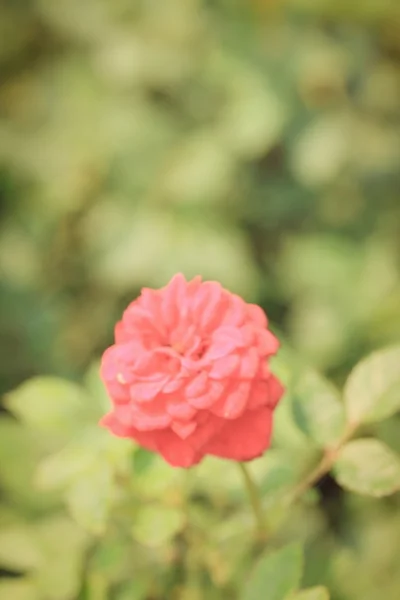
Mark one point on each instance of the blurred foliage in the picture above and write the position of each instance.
(256, 142)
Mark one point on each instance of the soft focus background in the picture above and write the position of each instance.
(255, 142)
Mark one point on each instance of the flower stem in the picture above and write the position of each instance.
(255, 501)
(312, 478)
(324, 466)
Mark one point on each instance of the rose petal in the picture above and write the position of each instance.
(214, 391)
(183, 430)
(147, 421)
(197, 385)
(143, 391)
(224, 367)
(233, 403)
(208, 426)
(267, 343)
(276, 391)
(172, 296)
(244, 438)
(259, 394)
(249, 363)
(257, 315)
(177, 452)
(180, 410)
(235, 312)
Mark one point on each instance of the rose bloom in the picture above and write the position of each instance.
(188, 374)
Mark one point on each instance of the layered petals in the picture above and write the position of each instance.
(188, 374)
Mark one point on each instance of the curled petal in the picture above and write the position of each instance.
(221, 346)
(197, 386)
(183, 430)
(259, 394)
(173, 385)
(235, 312)
(177, 452)
(234, 402)
(249, 363)
(244, 438)
(267, 343)
(257, 315)
(214, 391)
(144, 421)
(224, 367)
(143, 391)
(208, 425)
(180, 410)
(276, 391)
(172, 297)
(120, 333)
(115, 426)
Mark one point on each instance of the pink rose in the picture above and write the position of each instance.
(188, 374)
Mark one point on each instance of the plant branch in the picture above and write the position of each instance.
(255, 501)
(323, 467)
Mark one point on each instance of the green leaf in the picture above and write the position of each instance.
(60, 469)
(49, 404)
(89, 498)
(64, 545)
(134, 590)
(100, 401)
(17, 467)
(157, 478)
(372, 391)
(93, 447)
(367, 466)
(19, 550)
(315, 593)
(317, 409)
(276, 575)
(18, 589)
(157, 525)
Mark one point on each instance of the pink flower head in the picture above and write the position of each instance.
(188, 374)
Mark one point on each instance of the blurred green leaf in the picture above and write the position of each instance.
(317, 409)
(19, 550)
(142, 460)
(156, 525)
(367, 466)
(157, 478)
(20, 452)
(49, 404)
(372, 391)
(60, 469)
(89, 498)
(276, 575)
(97, 391)
(316, 593)
(84, 470)
(20, 589)
(94, 445)
(134, 590)
(63, 544)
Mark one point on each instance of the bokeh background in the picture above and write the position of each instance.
(255, 142)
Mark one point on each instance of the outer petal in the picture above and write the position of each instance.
(276, 391)
(177, 452)
(208, 426)
(257, 315)
(234, 402)
(268, 344)
(244, 438)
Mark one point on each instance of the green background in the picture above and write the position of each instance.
(253, 142)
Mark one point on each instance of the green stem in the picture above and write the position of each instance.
(324, 466)
(255, 501)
